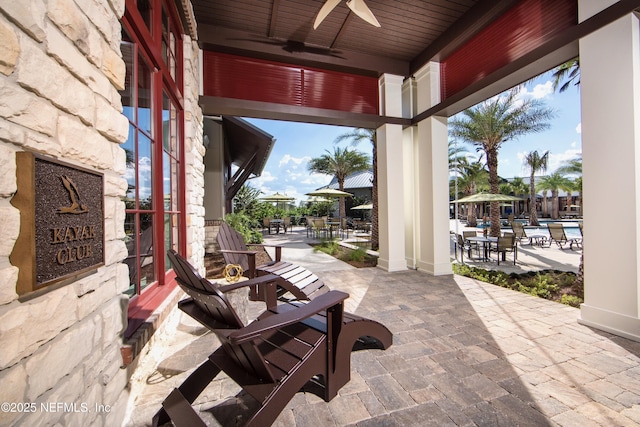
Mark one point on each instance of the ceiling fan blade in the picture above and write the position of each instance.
(324, 11)
(360, 8)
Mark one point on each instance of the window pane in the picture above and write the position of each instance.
(130, 174)
(144, 96)
(166, 180)
(165, 31)
(145, 170)
(166, 122)
(170, 235)
(128, 95)
(146, 259)
(144, 7)
(174, 185)
(132, 259)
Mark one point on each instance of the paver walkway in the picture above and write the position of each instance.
(465, 353)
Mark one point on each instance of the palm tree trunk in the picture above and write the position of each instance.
(533, 214)
(494, 211)
(375, 243)
(578, 284)
(555, 204)
(472, 215)
(342, 211)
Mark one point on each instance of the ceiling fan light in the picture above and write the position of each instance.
(360, 8)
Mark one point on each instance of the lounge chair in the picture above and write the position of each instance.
(557, 235)
(295, 281)
(520, 233)
(289, 346)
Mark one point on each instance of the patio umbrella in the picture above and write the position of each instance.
(487, 197)
(277, 198)
(364, 207)
(329, 192)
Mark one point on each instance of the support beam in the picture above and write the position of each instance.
(610, 89)
(390, 178)
(431, 178)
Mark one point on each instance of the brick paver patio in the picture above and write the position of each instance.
(465, 353)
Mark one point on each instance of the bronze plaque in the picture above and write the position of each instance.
(62, 222)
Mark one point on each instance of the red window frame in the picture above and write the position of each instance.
(164, 27)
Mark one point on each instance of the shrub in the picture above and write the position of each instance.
(245, 226)
(572, 300)
(328, 246)
(541, 284)
(357, 255)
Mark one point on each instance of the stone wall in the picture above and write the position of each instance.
(194, 155)
(60, 72)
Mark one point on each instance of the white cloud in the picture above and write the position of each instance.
(557, 160)
(316, 179)
(295, 162)
(539, 91)
(579, 128)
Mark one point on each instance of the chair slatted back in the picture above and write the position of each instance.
(518, 230)
(506, 242)
(467, 234)
(216, 306)
(556, 231)
(230, 239)
(221, 318)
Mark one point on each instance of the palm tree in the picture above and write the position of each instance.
(536, 163)
(494, 122)
(341, 163)
(553, 183)
(457, 160)
(574, 167)
(356, 136)
(519, 188)
(246, 199)
(472, 177)
(568, 72)
(456, 157)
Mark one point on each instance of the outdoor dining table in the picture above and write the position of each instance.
(486, 244)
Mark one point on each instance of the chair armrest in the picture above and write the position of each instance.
(317, 305)
(251, 259)
(234, 251)
(251, 282)
(265, 245)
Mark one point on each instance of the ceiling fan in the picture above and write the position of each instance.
(358, 7)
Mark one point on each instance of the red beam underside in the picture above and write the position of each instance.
(525, 27)
(237, 77)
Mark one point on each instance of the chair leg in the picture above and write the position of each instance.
(280, 397)
(190, 389)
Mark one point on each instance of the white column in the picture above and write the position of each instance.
(431, 178)
(610, 91)
(390, 178)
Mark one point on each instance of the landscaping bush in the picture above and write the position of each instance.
(552, 285)
(246, 226)
(327, 246)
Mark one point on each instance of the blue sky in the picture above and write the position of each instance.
(296, 143)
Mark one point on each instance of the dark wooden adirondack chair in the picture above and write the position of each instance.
(294, 279)
(273, 357)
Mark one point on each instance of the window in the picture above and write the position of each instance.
(154, 219)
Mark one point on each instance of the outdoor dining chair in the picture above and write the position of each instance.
(506, 243)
